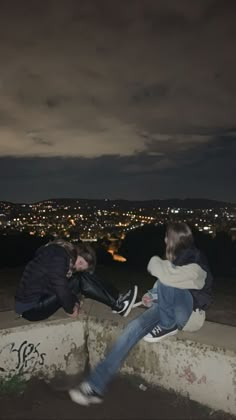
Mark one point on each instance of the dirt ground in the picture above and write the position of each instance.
(41, 401)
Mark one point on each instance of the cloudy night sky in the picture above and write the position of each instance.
(117, 99)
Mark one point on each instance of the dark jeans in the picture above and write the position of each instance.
(89, 285)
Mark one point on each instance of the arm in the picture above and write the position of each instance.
(57, 271)
(190, 276)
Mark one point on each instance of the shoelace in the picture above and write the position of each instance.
(126, 296)
(156, 330)
(86, 389)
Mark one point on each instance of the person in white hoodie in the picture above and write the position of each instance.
(184, 285)
(183, 292)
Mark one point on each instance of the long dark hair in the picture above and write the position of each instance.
(69, 248)
(82, 249)
(88, 253)
(178, 238)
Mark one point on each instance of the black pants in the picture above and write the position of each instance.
(89, 285)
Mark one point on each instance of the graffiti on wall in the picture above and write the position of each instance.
(23, 359)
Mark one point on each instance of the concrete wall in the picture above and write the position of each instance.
(42, 349)
(200, 365)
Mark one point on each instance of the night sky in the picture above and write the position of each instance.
(131, 99)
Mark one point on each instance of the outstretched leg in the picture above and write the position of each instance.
(91, 286)
(92, 390)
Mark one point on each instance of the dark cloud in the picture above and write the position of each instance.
(42, 142)
(38, 139)
(6, 118)
(204, 172)
(129, 99)
(153, 92)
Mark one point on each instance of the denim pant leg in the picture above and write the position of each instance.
(183, 307)
(166, 299)
(175, 306)
(134, 331)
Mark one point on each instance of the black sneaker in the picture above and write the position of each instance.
(84, 395)
(125, 302)
(158, 333)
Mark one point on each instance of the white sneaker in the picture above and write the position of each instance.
(158, 334)
(84, 395)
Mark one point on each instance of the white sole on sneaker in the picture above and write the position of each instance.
(157, 339)
(79, 398)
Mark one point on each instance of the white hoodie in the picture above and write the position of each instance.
(190, 276)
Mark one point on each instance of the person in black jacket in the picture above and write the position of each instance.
(57, 275)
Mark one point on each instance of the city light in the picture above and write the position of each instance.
(89, 221)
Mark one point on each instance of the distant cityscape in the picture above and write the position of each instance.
(91, 220)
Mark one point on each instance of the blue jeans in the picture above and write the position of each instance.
(174, 307)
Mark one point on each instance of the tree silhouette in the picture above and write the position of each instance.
(141, 244)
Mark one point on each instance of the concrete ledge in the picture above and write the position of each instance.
(43, 348)
(200, 365)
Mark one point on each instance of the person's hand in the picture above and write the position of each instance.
(75, 312)
(147, 300)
